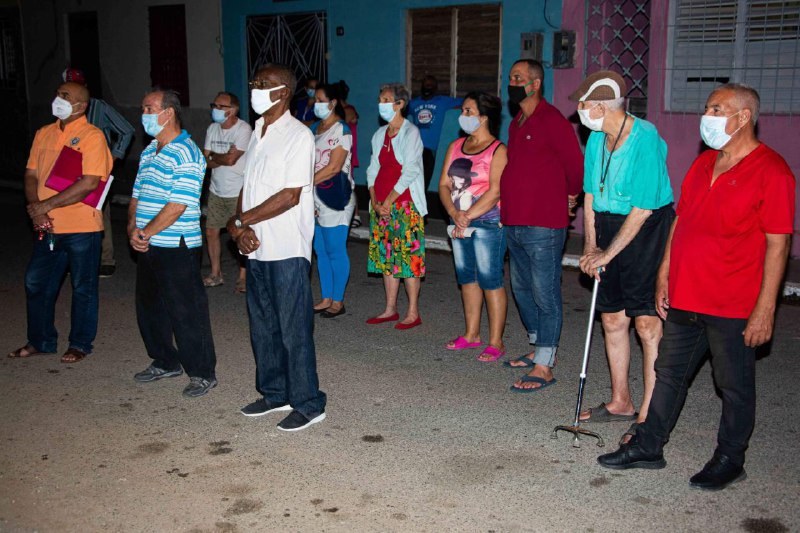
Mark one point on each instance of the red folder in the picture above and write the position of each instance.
(68, 169)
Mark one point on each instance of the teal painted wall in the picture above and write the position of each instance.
(373, 48)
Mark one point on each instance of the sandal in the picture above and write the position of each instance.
(521, 359)
(241, 286)
(26, 351)
(213, 281)
(532, 379)
(602, 414)
(490, 354)
(461, 343)
(73, 355)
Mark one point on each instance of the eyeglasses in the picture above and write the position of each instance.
(259, 84)
(212, 105)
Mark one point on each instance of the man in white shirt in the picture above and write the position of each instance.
(274, 227)
(226, 142)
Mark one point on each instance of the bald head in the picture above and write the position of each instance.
(79, 93)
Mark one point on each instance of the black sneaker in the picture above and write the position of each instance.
(199, 386)
(631, 456)
(106, 271)
(297, 421)
(263, 407)
(153, 373)
(718, 473)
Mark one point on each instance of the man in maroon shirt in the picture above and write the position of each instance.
(543, 176)
(718, 284)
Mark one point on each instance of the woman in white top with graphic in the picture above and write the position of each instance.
(334, 143)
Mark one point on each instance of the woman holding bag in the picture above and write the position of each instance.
(333, 199)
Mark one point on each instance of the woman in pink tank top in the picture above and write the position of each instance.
(469, 189)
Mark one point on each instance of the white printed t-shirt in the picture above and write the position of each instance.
(226, 181)
(326, 142)
(283, 158)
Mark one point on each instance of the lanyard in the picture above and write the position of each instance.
(604, 166)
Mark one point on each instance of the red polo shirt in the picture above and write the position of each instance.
(718, 248)
(545, 164)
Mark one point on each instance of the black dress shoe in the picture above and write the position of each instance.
(328, 314)
(718, 473)
(631, 456)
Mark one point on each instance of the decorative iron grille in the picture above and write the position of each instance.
(297, 41)
(618, 38)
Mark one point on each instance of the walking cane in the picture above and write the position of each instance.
(576, 428)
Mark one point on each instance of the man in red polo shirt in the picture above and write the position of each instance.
(538, 187)
(718, 284)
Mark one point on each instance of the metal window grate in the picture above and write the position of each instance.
(756, 42)
(297, 41)
(618, 38)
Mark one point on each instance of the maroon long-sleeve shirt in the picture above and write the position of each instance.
(545, 164)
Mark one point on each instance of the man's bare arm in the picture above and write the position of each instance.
(275, 205)
(761, 322)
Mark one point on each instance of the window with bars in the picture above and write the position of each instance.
(756, 42)
(459, 45)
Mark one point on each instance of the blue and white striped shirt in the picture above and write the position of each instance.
(173, 175)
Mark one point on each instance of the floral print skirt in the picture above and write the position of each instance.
(397, 247)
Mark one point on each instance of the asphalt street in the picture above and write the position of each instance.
(417, 438)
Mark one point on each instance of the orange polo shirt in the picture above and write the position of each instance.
(90, 141)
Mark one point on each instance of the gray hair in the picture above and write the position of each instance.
(169, 99)
(285, 74)
(746, 98)
(399, 91)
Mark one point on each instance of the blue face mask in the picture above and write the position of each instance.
(151, 125)
(322, 111)
(386, 111)
(310, 92)
(218, 115)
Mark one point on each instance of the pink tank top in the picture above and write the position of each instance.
(469, 177)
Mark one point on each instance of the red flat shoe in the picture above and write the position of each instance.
(410, 325)
(379, 320)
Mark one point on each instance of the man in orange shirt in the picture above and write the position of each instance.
(68, 232)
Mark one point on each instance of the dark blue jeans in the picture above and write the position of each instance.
(171, 302)
(280, 306)
(535, 254)
(80, 254)
(687, 338)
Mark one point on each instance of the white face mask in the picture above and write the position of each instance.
(712, 130)
(594, 124)
(322, 111)
(386, 111)
(61, 108)
(261, 101)
(469, 123)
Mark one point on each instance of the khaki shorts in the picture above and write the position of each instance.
(220, 210)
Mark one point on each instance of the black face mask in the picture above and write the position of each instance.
(518, 93)
(427, 92)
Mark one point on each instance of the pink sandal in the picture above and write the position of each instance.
(461, 344)
(490, 355)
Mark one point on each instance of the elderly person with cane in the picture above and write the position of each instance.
(627, 216)
(397, 205)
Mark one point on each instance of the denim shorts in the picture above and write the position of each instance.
(480, 258)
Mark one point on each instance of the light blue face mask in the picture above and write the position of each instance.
(386, 111)
(310, 92)
(151, 125)
(218, 115)
(322, 111)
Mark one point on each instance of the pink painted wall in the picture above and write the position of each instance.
(680, 130)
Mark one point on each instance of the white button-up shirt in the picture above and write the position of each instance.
(282, 159)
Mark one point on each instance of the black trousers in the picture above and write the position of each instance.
(171, 302)
(687, 338)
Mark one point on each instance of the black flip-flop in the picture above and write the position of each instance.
(601, 414)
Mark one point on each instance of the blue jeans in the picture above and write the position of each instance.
(535, 254)
(333, 263)
(171, 302)
(80, 254)
(480, 258)
(280, 307)
(687, 338)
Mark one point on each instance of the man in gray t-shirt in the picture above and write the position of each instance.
(226, 142)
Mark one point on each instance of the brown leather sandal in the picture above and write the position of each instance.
(73, 355)
(25, 351)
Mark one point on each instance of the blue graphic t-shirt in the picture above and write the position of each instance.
(428, 115)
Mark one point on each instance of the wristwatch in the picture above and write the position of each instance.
(210, 156)
(238, 223)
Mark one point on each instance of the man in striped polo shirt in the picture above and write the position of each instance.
(164, 227)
